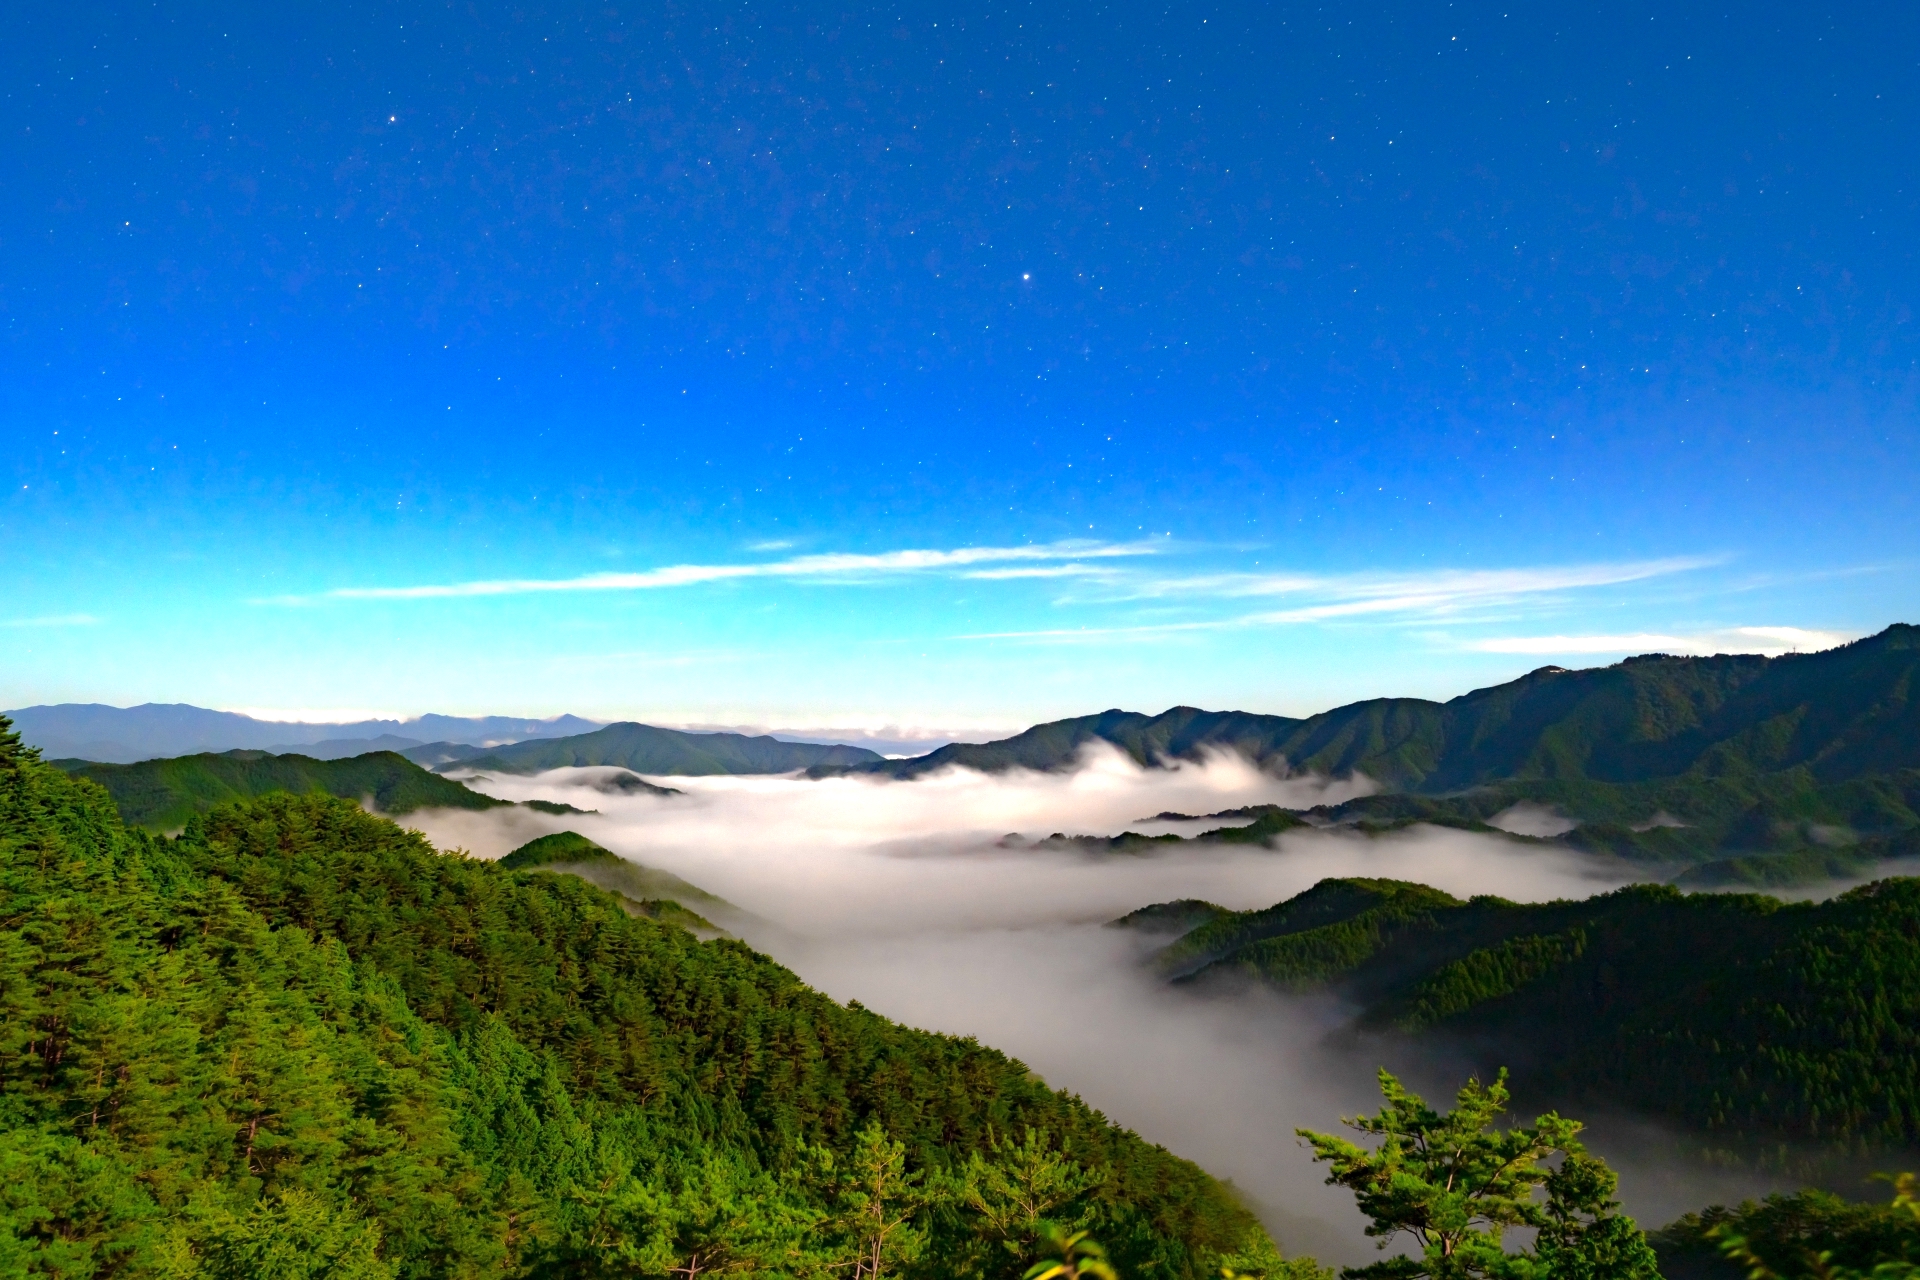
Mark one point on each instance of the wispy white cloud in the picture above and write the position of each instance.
(1397, 592)
(844, 567)
(1041, 571)
(1767, 640)
(53, 620)
(1440, 594)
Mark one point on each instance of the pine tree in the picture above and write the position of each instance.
(1455, 1185)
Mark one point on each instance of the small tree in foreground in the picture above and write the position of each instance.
(1455, 1185)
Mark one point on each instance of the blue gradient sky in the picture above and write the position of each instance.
(1264, 357)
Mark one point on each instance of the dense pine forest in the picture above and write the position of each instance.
(161, 795)
(298, 1041)
(1736, 1015)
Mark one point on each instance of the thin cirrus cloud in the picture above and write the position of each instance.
(841, 567)
(1042, 571)
(1387, 592)
(53, 620)
(1767, 640)
(1441, 594)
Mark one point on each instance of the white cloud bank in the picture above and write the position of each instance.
(903, 896)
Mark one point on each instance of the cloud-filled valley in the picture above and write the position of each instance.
(910, 898)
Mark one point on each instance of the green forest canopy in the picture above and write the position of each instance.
(161, 795)
(298, 1037)
(1734, 1014)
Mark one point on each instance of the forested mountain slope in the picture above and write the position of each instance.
(1840, 714)
(298, 1032)
(161, 795)
(645, 749)
(1182, 733)
(1735, 1014)
(1718, 771)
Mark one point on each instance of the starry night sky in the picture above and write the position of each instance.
(1261, 356)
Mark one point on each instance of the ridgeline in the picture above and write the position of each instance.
(1729, 770)
(646, 749)
(161, 795)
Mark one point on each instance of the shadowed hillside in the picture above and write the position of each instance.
(1739, 1015)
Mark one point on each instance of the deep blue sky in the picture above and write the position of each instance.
(1389, 342)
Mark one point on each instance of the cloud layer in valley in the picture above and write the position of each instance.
(908, 898)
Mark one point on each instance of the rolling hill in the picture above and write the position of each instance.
(161, 795)
(1733, 1014)
(641, 889)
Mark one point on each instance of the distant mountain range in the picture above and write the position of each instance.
(1732, 769)
(645, 749)
(1726, 770)
(1838, 714)
(121, 735)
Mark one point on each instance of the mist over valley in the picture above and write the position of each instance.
(1051, 642)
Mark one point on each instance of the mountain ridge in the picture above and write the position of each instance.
(163, 795)
(1648, 716)
(155, 730)
(646, 749)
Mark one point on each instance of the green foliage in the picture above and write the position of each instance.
(161, 795)
(1271, 821)
(1488, 974)
(1793, 1235)
(1326, 930)
(296, 1040)
(877, 1201)
(1078, 1256)
(561, 846)
(1019, 1193)
(1738, 1014)
(555, 807)
(1455, 1185)
(1178, 917)
(1824, 1265)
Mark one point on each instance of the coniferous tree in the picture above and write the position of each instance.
(1455, 1185)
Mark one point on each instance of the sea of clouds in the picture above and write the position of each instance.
(910, 898)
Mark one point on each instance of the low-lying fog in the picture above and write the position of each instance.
(907, 897)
